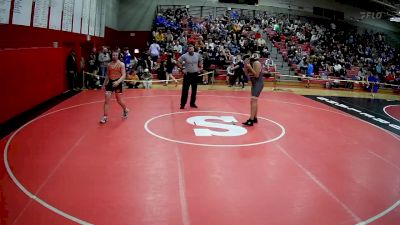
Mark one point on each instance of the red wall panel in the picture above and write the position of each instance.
(32, 71)
(30, 77)
(14, 36)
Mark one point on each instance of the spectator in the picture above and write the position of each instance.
(104, 60)
(170, 65)
(310, 73)
(147, 79)
(373, 84)
(155, 51)
(72, 70)
(92, 78)
(230, 73)
(127, 61)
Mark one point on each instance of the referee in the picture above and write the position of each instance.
(193, 63)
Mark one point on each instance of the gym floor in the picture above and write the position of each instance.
(304, 162)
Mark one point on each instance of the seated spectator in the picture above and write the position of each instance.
(147, 79)
(230, 73)
(390, 78)
(269, 63)
(132, 79)
(302, 66)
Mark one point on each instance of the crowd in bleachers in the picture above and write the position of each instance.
(312, 48)
(315, 49)
(337, 51)
(221, 41)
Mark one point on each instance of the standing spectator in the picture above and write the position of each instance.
(379, 70)
(72, 70)
(91, 78)
(160, 69)
(230, 73)
(170, 65)
(310, 73)
(127, 61)
(104, 60)
(155, 51)
(239, 72)
(373, 84)
(120, 54)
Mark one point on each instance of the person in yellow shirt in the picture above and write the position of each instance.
(159, 36)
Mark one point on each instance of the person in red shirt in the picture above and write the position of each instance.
(113, 83)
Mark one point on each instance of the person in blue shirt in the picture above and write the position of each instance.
(310, 73)
(127, 61)
(310, 70)
(373, 84)
(379, 70)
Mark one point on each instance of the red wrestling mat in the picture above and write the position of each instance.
(393, 111)
(303, 163)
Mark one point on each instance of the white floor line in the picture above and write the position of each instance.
(79, 221)
(182, 189)
(50, 175)
(384, 110)
(383, 159)
(320, 184)
(372, 219)
(21, 187)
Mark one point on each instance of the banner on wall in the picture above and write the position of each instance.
(78, 16)
(22, 12)
(85, 17)
(41, 13)
(55, 14)
(76, 27)
(98, 18)
(103, 18)
(92, 17)
(68, 11)
(5, 7)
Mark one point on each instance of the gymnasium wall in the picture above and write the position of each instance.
(16, 36)
(112, 10)
(29, 77)
(33, 71)
(33, 59)
(131, 39)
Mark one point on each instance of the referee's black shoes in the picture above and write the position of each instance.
(192, 106)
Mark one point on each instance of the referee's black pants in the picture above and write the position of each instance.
(189, 79)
